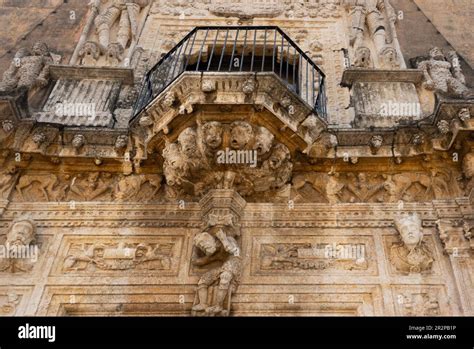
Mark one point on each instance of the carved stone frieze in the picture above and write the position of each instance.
(340, 187)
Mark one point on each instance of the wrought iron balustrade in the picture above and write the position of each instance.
(238, 49)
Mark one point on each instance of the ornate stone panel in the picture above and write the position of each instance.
(109, 255)
(342, 254)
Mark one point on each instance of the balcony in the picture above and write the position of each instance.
(233, 50)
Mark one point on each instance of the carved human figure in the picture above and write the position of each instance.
(21, 235)
(378, 17)
(444, 76)
(276, 171)
(126, 13)
(411, 255)
(213, 247)
(7, 179)
(175, 167)
(27, 70)
(187, 141)
(468, 171)
(263, 141)
(333, 188)
(90, 186)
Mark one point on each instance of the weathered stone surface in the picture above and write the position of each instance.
(227, 193)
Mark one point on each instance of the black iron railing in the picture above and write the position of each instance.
(238, 49)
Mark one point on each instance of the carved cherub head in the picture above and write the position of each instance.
(188, 141)
(212, 134)
(240, 135)
(206, 243)
(410, 230)
(263, 141)
(21, 233)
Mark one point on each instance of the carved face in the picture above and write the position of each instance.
(21, 234)
(464, 114)
(468, 165)
(263, 141)
(212, 134)
(114, 52)
(40, 49)
(141, 251)
(173, 157)
(93, 179)
(91, 49)
(279, 155)
(121, 142)
(78, 141)
(410, 230)
(390, 57)
(187, 141)
(240, 135)
(206, 243)
(437, 54)
(362, 58)
(98, 252)
(169, 99)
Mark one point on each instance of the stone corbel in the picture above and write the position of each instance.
(452, 235)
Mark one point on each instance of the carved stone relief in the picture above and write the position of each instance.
(20, 251)
(217, 155)
(9, 303)
(419, 301)
(373, 24)
(117, 27)
(108, 255)
(369, 187)
(412, 255)
(443, 74)
(88, 186)
(297, 255)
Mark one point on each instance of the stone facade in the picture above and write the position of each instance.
(224, 192)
